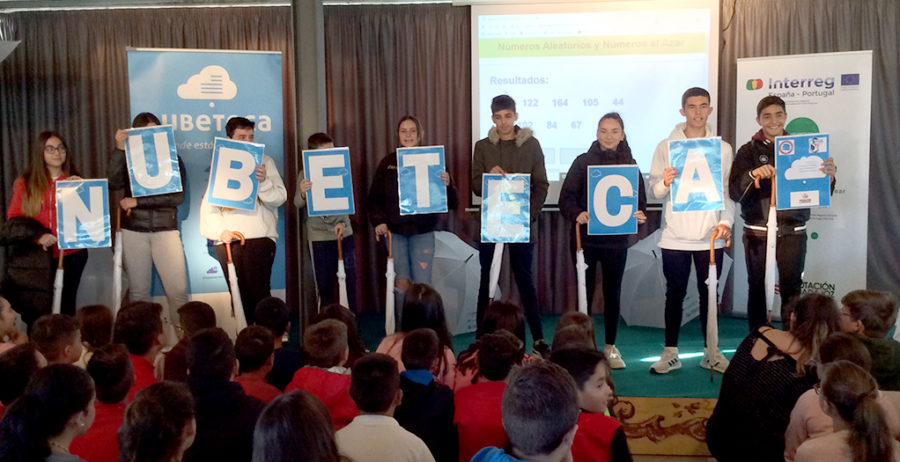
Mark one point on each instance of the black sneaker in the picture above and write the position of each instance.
(541, 349)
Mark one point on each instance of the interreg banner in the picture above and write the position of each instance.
(82, 214)
(196, 92)
(419, 180)
(800, 182)
(825, 93)
(698, 185)
(232, 174)
(332, 185)
(152, 161)
(612, 199)
(506, 208)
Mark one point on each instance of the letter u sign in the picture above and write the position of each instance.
(152, 161)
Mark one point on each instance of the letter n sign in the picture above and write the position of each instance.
(232, 174)
(152, 161)
(419, 180)
(612, 199)
(82, 214)
(332, 186)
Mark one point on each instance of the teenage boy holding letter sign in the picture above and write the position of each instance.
(686, 235)
(754, 161)
(610, 251)
(150, 233)
(252, 261)
(510, 149)
(323, 231)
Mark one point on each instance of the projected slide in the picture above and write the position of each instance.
(567, 68)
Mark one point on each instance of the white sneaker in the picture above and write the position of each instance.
(668, 362)
(614, 357)
(715, 361)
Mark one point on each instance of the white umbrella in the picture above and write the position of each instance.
(58, 285)
(237, 307)
(117, 264)
(771, 241)
(341, 274)
(580, 268)
(456, 272)
(389, 323)
(712, 304)
(496, 263)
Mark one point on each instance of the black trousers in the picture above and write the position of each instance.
(677, 270)
(520, 258)
(790, 256)
(612, 267)
(253, 265)
(73, 267)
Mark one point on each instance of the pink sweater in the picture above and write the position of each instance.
(392, 345)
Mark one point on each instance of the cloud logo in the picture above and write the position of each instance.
(754, 84)
(212, 82)
(805, 168)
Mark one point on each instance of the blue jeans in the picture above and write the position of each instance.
(413, 256)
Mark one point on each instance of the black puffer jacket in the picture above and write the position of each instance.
(153, 213)
(27, 280)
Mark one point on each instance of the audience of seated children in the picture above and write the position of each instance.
(427, 407)
(254, 349)
(872, 314)
(499, 315)
(110, 368)
(96, 323)
(599, 437)
(225, 414)
(325, 346)
(478, 416)
(850, 396)
(10, 336)
(768, 373)
(423, 307)
(574, 330)
(17, 365)
(354, 340)
(58, 338)
(274, 314)
(540, 415)
(159, 424)
(808, 420)
(57, 406)
(139, 327)
(293, 427)
(374, 435)
(192, 318)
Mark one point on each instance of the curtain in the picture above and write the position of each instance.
(773, 27)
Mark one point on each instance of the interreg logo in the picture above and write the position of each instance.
(754, 84)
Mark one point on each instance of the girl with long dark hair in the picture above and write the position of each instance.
(295, 426)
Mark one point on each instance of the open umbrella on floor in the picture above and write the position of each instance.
(390, 275)
(237, 306)
(58, 285)
(580, 269)
(117, 263)
(456, 273)
(341, 274)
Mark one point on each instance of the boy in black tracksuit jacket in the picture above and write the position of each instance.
(756, 159)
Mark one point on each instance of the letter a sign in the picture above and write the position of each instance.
(82, 214)
(152, 161)
(232, 175)
(698, 185)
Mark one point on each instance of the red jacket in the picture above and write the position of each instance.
(101, 442)
(593, 440)
(330, 387)
(478, 418)
(258, 388)
(143, 375)
(47, 214)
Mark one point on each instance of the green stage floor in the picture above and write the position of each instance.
(637, 345)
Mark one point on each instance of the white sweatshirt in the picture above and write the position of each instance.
(689, 230)
(262, 221)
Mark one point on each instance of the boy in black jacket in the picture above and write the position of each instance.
(427, 408)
